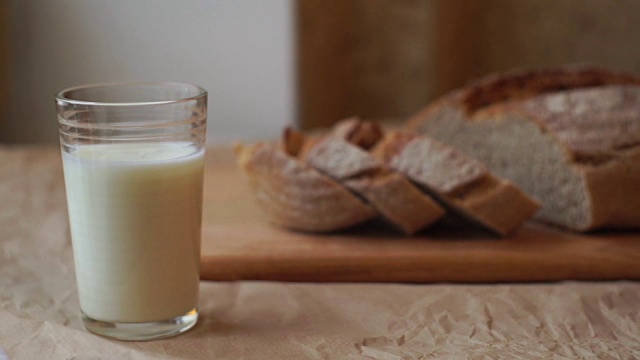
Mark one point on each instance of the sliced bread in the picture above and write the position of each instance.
(343, 156)
(461, 183)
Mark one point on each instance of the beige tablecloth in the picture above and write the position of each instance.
(39, 316)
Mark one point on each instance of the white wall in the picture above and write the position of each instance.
(240, 51)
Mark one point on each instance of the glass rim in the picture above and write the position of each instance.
(62, 95)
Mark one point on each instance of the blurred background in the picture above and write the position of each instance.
(306, 63)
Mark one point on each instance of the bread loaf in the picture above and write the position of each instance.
(461, 183)
(570, 137)
(343, 155)
(353, 174)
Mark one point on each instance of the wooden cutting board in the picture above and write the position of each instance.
(238, 244)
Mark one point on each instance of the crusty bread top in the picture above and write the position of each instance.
(520, 85)
(593, 113)
(594, 124)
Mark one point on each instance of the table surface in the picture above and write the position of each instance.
(272, 320)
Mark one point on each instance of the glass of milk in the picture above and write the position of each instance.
(133, 157)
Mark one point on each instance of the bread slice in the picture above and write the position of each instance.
(296, 196)
(342, 156)
(458, 181)
(569, 137)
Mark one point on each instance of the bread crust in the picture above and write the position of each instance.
(398, 201)
(614, 191)
(520, 85)
(296, 196)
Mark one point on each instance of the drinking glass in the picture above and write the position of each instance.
(133, 158)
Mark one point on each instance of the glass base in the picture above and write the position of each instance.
(141, 331)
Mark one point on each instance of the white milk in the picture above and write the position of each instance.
(135, 212)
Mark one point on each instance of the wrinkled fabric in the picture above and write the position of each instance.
(39, 312)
